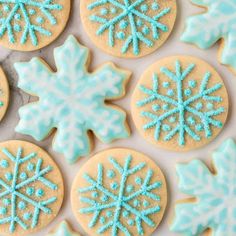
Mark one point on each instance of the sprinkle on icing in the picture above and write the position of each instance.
(181, 109)
(26, 18)
(126, 206)
(72, 100)
(133, 22)
(218, 22)
(215, 195)
(16, 199)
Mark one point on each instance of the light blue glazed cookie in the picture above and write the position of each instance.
(27, 25)
(119, 192)
(72, 100)
(180, 103)
(217, 22)
(31, 188)
(215, 195)
(63, 229)
(129, 28)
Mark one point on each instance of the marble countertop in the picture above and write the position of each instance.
(166, 160)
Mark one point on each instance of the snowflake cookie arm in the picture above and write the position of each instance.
(197, 181)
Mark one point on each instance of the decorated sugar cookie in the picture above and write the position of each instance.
(72, 100)
(217, 22)
(31, 188)
(180, 103)
(32, 24)
(212, 195)
(119, 192)
(130, 28)
(63, 230)
(4, 94)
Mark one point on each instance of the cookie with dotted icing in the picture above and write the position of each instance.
(119, 192)
(129, 28)
(72, 100)
(211, 195)
(63, 229)
(31, 188)
(32, 24)
(4, 94)
(217, 22)
(180, 103)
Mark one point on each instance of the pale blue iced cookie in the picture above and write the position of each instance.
(63, 229)
(31, 188)
(129, 28)
(217, 22)
(180, 103)
(214, 195)
(27, 25)
(72, 100)
(119, 192)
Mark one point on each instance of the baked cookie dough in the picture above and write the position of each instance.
(4, 94)
(130, 28)
(31, 25)
(180, 103)
(119, 192)
(31, 188)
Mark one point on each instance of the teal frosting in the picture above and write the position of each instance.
(22, 11)
(16, 194)
(215, 195)
(218, 22)
(72, 100)
(132, 14)
(179, 112)
(63, 229)
(124, 203)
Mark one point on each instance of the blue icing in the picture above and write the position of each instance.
(31, 29)
(123, 205)
(135, 13)
(86, 93)
(218, 22)
(188, 108)
(213, 192)
(17, 195)
(63, 229)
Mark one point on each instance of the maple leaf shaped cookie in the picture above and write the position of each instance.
(218, 22)
(72, 100)
(214, 206)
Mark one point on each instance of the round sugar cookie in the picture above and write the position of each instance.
(31, 25)
(180, 103)
(130, 28)
(31, 188)
(4, 94)
(119, 192)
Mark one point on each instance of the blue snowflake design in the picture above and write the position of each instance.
(189, 113)
(26, 17)
(122, 206)
(130, 22)
(18, 194)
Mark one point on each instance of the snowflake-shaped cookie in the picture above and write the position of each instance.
(218, 22)
(215, 194)
(72, 100)
(63, 229)
(30, 196)
(131, 27)
(31, 21)
(125, 196)
(182, 105)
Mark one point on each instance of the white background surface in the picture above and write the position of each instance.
(165, 159)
